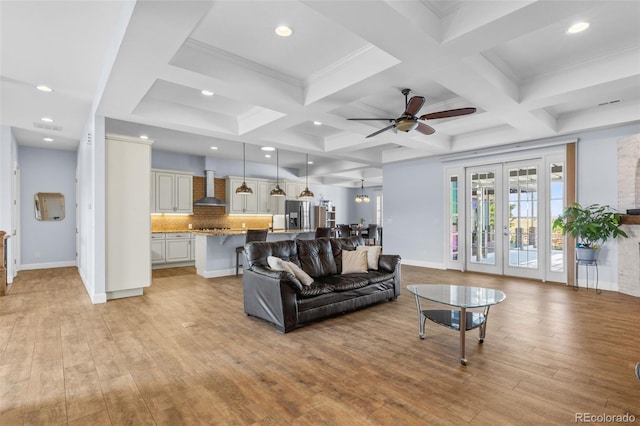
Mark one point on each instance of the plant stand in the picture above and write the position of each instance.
(587, 264)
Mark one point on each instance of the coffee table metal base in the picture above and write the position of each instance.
(457, 320)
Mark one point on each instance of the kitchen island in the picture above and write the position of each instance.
(216, 249)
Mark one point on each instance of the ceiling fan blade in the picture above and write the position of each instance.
(449, 113)
(381, 130)
(368, 119)
(425, 129)
(414, 105)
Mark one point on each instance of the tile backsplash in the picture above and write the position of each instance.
(206, 216)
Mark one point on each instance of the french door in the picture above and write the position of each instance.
(499, 217)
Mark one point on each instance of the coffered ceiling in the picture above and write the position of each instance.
(144, 64)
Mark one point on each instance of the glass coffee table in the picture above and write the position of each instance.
(461, 297)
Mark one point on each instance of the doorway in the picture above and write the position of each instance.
(500, 217)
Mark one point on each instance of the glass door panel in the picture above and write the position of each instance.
(484, 217)
(522, 225)
(557, 262)
(454, 248)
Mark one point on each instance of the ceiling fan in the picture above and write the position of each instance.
(409, 121)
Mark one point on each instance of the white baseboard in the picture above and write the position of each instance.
(98, 298)
(423, 264)
(32, 266)
(218, 273)
(172, 265)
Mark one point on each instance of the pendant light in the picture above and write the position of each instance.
(277, 191)
(306, 194)
(362, 197)
(244, 189)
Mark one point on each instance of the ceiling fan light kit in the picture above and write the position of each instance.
(409, 121)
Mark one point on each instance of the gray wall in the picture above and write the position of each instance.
(47, 170)
(413, 207)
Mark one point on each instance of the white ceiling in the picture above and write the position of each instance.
(143, 64)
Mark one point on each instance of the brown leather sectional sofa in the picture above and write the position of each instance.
(282, 299)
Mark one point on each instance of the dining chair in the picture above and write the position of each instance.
(371, 234)
(252, 235)
(345, 230)
(323, 232)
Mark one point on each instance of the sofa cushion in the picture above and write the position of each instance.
(347, 243)
(340, 283)
(373, 254)
(278, 264)
(354, 261)
(258, 251)
(380, 276)
(316, 257)
(315, 289)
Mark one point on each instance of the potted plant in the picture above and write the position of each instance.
(590, 226)
(362, 221)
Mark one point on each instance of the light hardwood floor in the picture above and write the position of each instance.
(185, 353)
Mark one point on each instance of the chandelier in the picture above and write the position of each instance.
(362, 197)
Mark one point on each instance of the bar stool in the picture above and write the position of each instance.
(252, 235)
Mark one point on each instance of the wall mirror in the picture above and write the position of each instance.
(49, 206)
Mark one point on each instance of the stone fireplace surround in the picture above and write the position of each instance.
(629, 198)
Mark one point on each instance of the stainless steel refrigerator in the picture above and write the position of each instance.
(297, 214)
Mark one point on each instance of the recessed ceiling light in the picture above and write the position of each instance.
(267, 156)
(283, 31)
(309, 162)
(268, 148)
(317, 123)
(579, 27)
(214, 147)
(47, 119)
(47, 139)
(144, 137)
(44, 88)
(207, 92)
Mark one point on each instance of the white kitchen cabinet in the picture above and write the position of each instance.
(173, 192)
(192, 248)
(293, 189)
(157, 248)
(178, 247)
(266, 203)
(242, 204)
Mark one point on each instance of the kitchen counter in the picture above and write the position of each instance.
(216, 249)
(233, 231)
(244, 231)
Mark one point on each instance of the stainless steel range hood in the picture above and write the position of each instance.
(209, 198)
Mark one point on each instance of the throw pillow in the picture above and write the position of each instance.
(373, 254)
(354, 261)
(278, 264)
(300, 274)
